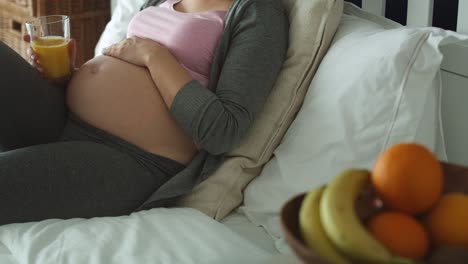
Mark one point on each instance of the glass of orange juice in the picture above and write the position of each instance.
(49, 40)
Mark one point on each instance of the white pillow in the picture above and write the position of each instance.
(370, 91)
(116, 28)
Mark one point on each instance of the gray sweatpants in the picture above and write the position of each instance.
(53, 165)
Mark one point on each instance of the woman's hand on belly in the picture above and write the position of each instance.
(135, 50)
(167, 73)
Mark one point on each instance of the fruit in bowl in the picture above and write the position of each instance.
(408, 178)
(447, 222)
(396, 213)
(402, 234)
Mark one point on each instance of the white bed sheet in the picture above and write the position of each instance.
(5, 256)
(238, 222)
(178, 235)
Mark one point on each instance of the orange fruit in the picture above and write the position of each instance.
(447, 222)
(400, 233)
(407, 177)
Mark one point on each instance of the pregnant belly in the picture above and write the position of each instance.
(122, 99)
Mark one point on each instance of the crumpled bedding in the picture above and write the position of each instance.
(166, 236)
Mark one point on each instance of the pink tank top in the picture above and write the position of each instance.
(191, 37)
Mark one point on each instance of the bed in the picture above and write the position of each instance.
(433, 115)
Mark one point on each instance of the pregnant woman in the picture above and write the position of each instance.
(144, 123)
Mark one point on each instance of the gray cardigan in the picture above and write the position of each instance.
(247, 60)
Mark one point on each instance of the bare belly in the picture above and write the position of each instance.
(122, 99)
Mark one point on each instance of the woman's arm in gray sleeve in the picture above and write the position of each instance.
(217, 120)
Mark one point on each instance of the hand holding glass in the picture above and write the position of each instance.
(50, 36)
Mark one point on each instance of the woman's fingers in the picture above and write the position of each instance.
(34, 60)
(108, 50)
(37, 67)
(27, 38)
(35, 63)
(29, 52)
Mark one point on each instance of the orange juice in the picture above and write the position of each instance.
(53, 56)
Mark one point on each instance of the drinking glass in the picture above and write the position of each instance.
(50, 36)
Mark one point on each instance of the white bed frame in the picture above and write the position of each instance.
(454, 74)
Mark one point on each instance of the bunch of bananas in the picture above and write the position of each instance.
(331, 227)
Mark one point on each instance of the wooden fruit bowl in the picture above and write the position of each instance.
(456, 180)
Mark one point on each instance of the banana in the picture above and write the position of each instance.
(342, 224)
(312, 230)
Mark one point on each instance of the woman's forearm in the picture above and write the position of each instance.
(167, 74)
(165, 70)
